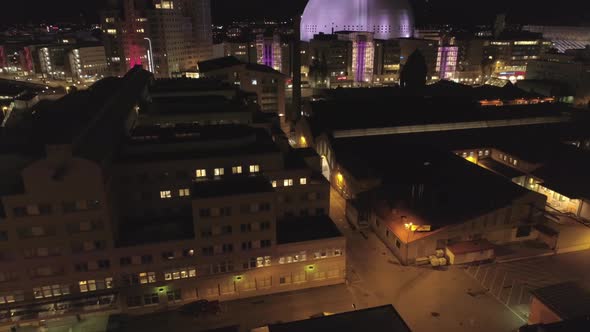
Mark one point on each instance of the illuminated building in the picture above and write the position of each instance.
(571, 70)
(386, 19)
(509, 55)
(333, 53)
(563, 37)
(428, 48)
(106, 216)
(387, 62)
(446, 62)
(164, 36)
(244, 51)
(268, 50)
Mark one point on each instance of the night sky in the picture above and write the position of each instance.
(447, 11)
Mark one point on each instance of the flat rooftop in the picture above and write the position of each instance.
(231, 186)
(436, 185)
(376, 319)
(306, 229)
(568, 300)
(184, 142)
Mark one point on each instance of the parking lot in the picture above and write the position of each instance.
(510, 283)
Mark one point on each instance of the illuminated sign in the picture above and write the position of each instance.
(423, 228)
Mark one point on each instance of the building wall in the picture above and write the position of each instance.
(541, 314)
(499, 226)
(269, 87)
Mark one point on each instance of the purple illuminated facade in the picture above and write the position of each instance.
(387, 19)
(360, 61)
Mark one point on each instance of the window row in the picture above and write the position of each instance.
(287, 182)
(218, 230)
(47, 209)
(220, 171)
(11, 297)
(95, 284)
(166, 194)
(228, 211)
(180, 273)
(227, 248)
(50, 291)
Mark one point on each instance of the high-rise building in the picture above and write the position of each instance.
(164, 36)
(200, 13)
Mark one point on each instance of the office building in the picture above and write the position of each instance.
(509, 54)
(103, 215)
(563, 37)
(268, 50)
(166, 37)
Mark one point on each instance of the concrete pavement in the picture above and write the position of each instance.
(427, 299)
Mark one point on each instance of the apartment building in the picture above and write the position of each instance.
(267, 83)
(101, 215)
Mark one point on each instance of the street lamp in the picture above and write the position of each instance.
(150, 55)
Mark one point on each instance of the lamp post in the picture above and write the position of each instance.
(150, 55)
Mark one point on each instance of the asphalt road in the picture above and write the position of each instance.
(510, 283)
(427, 299)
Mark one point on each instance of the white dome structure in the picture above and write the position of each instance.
(388, 19)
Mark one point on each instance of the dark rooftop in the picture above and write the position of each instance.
(387, 111)
(568, 300)
(230, 61)
(499, 168)
(194, 142)
(192, 85)
(566, 171)
(376, 319)
(231, 186)
(306, 229)
(451, 189)
(581, 324)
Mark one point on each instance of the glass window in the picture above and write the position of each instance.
(184, 192)
(236, 170)
(254, 168)
(274, 183)
(218, 171)
(165, 194)
(303, 181)
(288, 182)
(201, 173)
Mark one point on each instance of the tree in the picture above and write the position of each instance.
(413, 75)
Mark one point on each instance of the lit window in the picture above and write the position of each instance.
(236, 170)
(184, 192)
(288, 182)
(254, 168)
(274, 184)
(201, 173)
(83, 286)
(254, 82)
(303, 181)
(147, 277)
(218, 171)
(165, 194)
(515, 162)
(112, 31)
